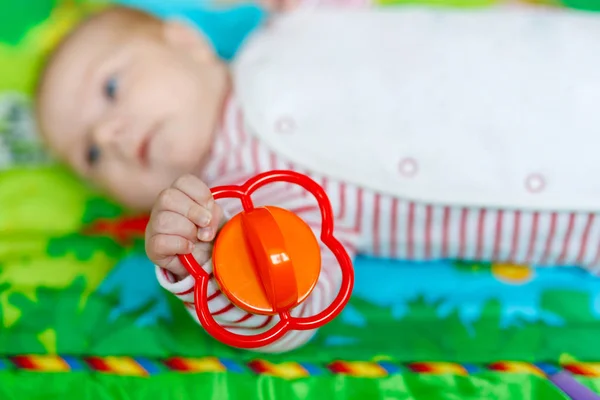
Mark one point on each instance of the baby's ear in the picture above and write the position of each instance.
(189, 39)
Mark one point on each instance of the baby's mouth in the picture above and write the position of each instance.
(144, 149)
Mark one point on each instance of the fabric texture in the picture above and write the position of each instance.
(455, 103)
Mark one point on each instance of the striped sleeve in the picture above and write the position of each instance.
(325, 291)
(401, 229)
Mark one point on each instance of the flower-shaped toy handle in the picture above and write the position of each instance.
(272, 264)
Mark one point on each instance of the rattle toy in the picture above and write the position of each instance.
(267, 261)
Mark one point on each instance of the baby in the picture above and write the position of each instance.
(436, 134)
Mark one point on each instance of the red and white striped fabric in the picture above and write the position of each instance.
(376, 224)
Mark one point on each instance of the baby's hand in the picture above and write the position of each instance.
(184, 219)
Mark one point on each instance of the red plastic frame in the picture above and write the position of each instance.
(287, 322)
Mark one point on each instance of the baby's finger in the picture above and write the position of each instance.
(176, 268)
(202, 254)
(173, 199)
(208, 233)
(161, 248)
(172, 223)
(195, 189)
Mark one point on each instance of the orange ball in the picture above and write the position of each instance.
(266, 260)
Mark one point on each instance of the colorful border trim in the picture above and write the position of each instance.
(142, 367)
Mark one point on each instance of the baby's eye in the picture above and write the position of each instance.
(93, 154)
(110, 88)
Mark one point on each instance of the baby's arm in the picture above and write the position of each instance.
(173, 277)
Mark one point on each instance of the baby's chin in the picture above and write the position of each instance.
(140, 195)
(135, 203)
(180, 165)
(185, 158)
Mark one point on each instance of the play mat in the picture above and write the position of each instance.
(82, 316)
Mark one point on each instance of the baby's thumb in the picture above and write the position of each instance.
(202, 253)
(176, 267)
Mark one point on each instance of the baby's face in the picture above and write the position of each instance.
(133, 109)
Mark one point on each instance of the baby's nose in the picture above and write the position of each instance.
(116, 136)
(107, 132)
